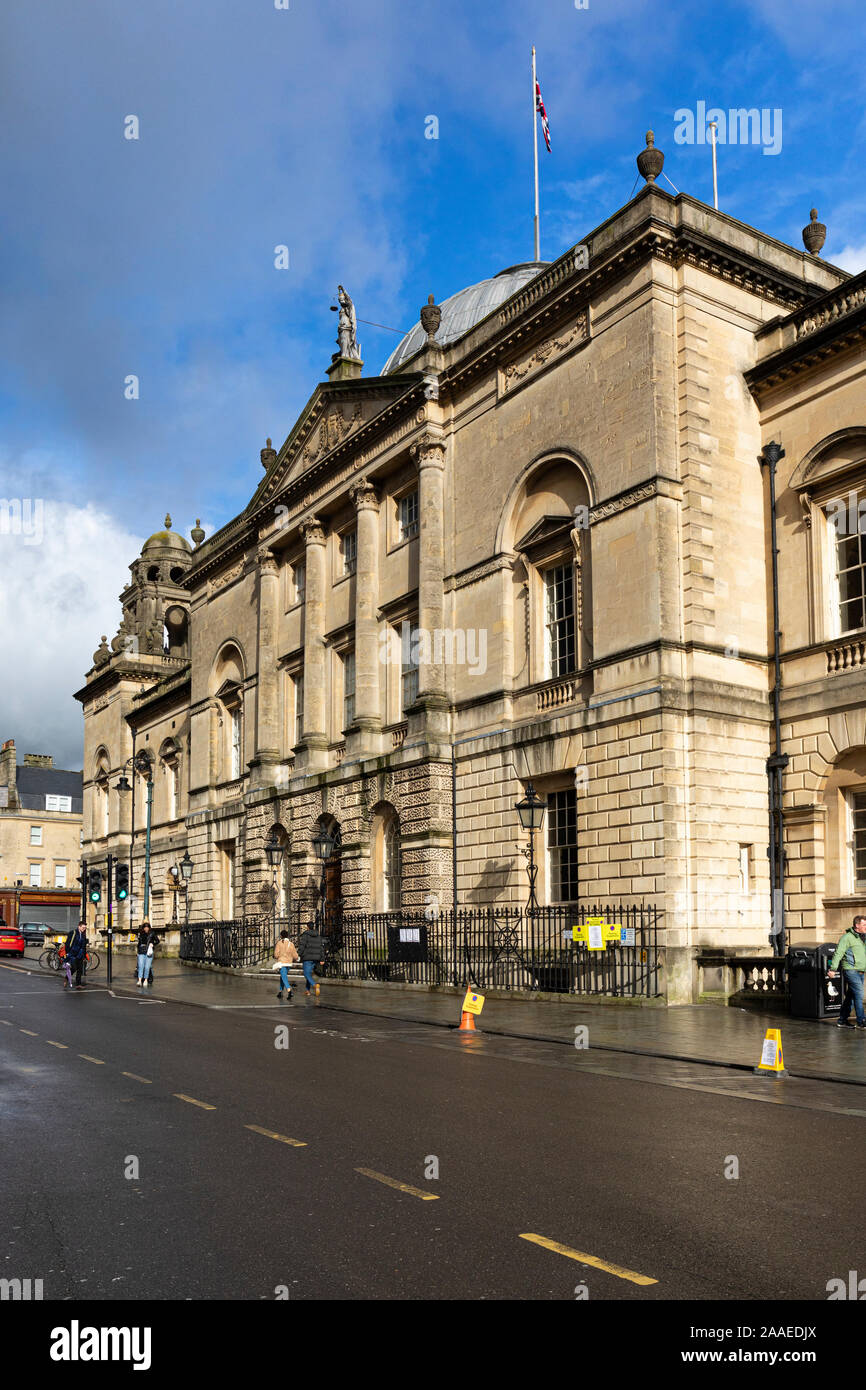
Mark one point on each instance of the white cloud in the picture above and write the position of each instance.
(851, 258)
(60, 577)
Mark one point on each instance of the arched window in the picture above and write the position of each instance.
(227, 688)
(170, 760)
(101, 804)
(546, 524)
(387, 876)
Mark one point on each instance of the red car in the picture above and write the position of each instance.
(11, 939)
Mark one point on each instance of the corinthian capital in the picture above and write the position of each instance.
(363, 494)
(429, 451)
(313, 531)
(267, 561)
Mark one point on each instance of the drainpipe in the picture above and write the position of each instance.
(778, 761)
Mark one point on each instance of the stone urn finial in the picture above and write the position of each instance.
(102, 653)
(815, 234)
(650, 161)
(431, 317)
(168, 521)
(268, 455)
(197, 532)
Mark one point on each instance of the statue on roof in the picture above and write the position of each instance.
(347, 327)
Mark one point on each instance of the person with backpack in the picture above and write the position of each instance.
(311, 948)
(147, 940)
(76, 954)
(285, 955)
(851, 951)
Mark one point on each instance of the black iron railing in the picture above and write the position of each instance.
(242, 941)
(493, 948)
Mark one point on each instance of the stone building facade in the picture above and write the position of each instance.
(40, 821)
(535, 548)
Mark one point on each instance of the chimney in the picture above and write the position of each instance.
(38, 760)
(9, 772)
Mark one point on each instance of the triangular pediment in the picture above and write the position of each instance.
(335, 412)
(547, 528)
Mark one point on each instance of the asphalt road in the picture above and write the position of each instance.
(144, 1152)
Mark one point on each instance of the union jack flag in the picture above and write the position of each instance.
(539, 106)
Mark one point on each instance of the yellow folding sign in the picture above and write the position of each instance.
(473, 1003)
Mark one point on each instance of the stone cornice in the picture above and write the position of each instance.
(632, 497)
(544, 305)
(475, 573)
(827, 338)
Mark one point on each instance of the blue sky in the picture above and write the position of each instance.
(306, 127)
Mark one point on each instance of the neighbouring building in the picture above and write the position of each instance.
(534, 548)
(40, 839)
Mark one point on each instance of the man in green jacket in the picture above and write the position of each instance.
(852, 952)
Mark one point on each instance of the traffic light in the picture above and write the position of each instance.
(94, 885)
(122, 879)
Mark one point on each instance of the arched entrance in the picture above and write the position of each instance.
(329, 908)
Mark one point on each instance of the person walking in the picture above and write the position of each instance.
(285, 955)
(312, 952)
(76, 954)
(851, 951)
(147, 940)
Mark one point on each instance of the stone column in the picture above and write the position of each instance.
(267, 749)
(429, 456)
(368, 714)
(315, 731)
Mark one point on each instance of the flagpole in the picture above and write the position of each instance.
(715, 179)
(535, 150)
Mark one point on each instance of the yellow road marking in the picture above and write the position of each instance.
(400, 1186)
(590, 1260)
(28, 1032)
(95, 1060)
(54, 1044)
(270, 1134)
(190, 1101)
(143, 1079)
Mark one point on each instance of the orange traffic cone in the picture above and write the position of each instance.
(467, 1023)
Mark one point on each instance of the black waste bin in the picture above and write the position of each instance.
(811, 993)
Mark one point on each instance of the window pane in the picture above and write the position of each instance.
(409, 516)
(561, 651)
(562, 846)
(348, 689)
(349, 548)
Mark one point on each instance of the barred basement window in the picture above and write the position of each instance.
(559, 619)
(858, 840)
(562, 846)
(408, 508)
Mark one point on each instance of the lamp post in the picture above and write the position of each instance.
(777, 761)
(175, 888)
(141, 763)
(324, 844)
(186, 868)
(531, 812)
(274, 851)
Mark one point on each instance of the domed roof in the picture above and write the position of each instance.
(166, 540)
(463, 310)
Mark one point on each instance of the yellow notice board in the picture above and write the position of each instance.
(595, 933)
(473, 1003)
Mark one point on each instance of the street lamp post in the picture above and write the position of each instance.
(141, 763)
(175, 889)
(531, 812)
(324, 845)
(186, 868)
(274, 851)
